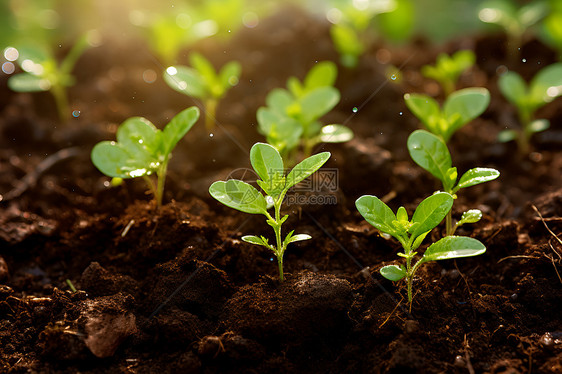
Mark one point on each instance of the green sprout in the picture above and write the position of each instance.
(268, 164)
(514, 20)
(448, 69)
(291, 118)
(142, 149)
(545, 86)
(459, 108)
(201, 81)
(431, 153)
(552, 27)
(42, 72)
(411, 233)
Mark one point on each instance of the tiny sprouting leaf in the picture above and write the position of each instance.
(402, 215)
(513, 87)
(546, 85)
(322, 74)
(430, 152)
(430, 212)
(539, 125)
(230, 74)
(279, 100)
(300, 237)
(255, 240)
(266, 161)
(305, 168)
(115, 161)
(468, 104)
(476, 176)
(507, 136)
(377, 213)
(393, 272)
(203, 66)
(451, 247)
(28, 83)
(318, 102)
(178, 127)
(186, 80)
(239, 195)
(425, 108)
(347, 44)
(295, 87)
(470, 216)
(281, 131)
(417, 242)
(335, 134)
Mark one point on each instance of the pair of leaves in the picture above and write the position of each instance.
(141, 148)
(447, 248)
(323, 74)
(290, 238)
(201, 80)
(514, 20)
(431, 153)
(429, 213)
(269, 166)
(545, 86)
(459, 108)
(447, 68)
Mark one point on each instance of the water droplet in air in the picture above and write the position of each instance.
(393, 77)
(355, 109)
(400, 113)
(271, 259)
(211, 135)
(75, 113)
(524, 60)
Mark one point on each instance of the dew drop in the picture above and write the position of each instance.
(400, 113)
(393, 77)
(524, 60)
(211, 135)
(271, 259)
(355, 109)
(75, 113)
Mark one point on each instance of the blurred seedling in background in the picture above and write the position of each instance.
(269, 166)
(291, 118)
(515, 21)
(448, 69)
(431, 153)
(551, 27)
(42, 72)
(202, 82)
(411, 233)
(459, 108)
(142, 150)
(545, 86)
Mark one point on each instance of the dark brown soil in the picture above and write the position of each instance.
(176, 290)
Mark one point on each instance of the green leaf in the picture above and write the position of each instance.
(507, 136)
(266, 161)
(546, 85)
(178, 127)
(453, 247)
(299, 237)
(140, 137)
(393, 272)
(203, 67)
(430, 152)
(347, 44)
(230, 74)
(538, 125)
(430, 212)
(377, 213)
(186, 81)
(512, 87)
(322, 74)
(115, 161)
(255, 240)
(281, 131)
(470, 216)
(476, 176)
(425, 108)
(295, 87)
(532, 13)
(25, 82)
(239, 195)
(335, 134)
(468, 103)
(279, 100)
(305, 168)
(318, 102)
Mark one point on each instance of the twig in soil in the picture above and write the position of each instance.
(391, 313)
(550, 231)
(519, 256)
(127, 228)
(467, 356)
(31, 178)
(553, 264)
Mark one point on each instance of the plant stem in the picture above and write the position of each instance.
(280, 248)
(161, 174)
(210, 112)
(61, 101)
(449, 224)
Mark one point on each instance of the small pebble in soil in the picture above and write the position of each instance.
(459, 361)
(513, 297)
(546, 340)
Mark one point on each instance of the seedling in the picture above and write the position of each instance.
(431, 153)
(142, 149)
(411, 233)
(552, 27)
(448, 69)
(43, 73)
(268, 164)
(201, 81)
(545, 86)
(459, 108)
(515, 21)
(291, 118)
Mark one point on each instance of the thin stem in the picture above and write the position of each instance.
(449, 224)
(277, 230)
(210, 112)
(161, 173)
(150, 184)
(61, 101)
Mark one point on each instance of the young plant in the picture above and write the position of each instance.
(411, 233)
(448, 69)
(552, 27)
(268, 164)
(431, 153)
(459, 108)
(142, 149)
(42, 72)
(513, 19)
(201, 81)
(291, 118)
(543, 88)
